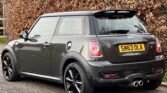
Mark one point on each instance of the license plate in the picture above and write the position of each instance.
(131, 48)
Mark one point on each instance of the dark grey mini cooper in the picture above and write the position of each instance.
(87, 49)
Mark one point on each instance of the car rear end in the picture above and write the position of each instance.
(123, 52)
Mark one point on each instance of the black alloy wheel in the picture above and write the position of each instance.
(8, 67)
(75, 80)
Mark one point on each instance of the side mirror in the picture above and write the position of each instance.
(24, 35)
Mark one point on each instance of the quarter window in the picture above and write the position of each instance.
(44, 27)
(71, 26)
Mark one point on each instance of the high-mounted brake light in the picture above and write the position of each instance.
(158, 46)
(94, 49)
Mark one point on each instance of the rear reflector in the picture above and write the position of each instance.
(157, 70)
(158, 46)
(110, 76)
(94, 49)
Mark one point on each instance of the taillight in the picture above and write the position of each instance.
(158, 46)
(94, 49)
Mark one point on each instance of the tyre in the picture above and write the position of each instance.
(8, 67)
(75, 80)
(152, 84)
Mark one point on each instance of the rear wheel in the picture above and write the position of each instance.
(8, 67)
(152, 84)
(75, 80)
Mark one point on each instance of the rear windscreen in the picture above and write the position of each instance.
(118, 24)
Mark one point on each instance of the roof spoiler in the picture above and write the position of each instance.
(116, 12)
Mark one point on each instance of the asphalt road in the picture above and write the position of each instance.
(30, 85)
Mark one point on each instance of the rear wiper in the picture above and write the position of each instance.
(116, 32)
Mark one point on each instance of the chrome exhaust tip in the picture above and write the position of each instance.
(140, 83)
(135, 84)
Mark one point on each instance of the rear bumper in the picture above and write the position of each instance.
(127, 72)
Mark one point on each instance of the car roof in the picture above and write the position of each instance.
(82, 13)
(72, 13)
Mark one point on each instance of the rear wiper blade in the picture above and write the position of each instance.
(116, 32)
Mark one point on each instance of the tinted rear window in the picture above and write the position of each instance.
(118, 24)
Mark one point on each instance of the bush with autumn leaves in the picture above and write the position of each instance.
(21, 14)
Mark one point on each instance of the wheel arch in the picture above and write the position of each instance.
(74, 57)
(8, 49)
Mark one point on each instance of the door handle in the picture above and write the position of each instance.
(46, 44)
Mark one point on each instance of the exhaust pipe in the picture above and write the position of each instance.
(135, 84)
(138, 83)
(141, 83)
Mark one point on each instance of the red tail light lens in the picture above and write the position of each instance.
(94, 49)
(158, 45)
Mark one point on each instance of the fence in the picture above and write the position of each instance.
(2, 28)
(2, 19)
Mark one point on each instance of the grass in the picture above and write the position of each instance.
(165, 77)
(3, 40)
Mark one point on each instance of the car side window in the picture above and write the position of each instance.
(44, 27)
(71, 25)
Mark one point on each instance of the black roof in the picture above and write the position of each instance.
(75, 13)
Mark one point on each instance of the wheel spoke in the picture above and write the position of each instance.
(5, 63)
(7, 58)
(10, 69)
(69, 91)
(78, 82)
(76, 86)
(68, 79)
(71, 74)
(9, 73)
